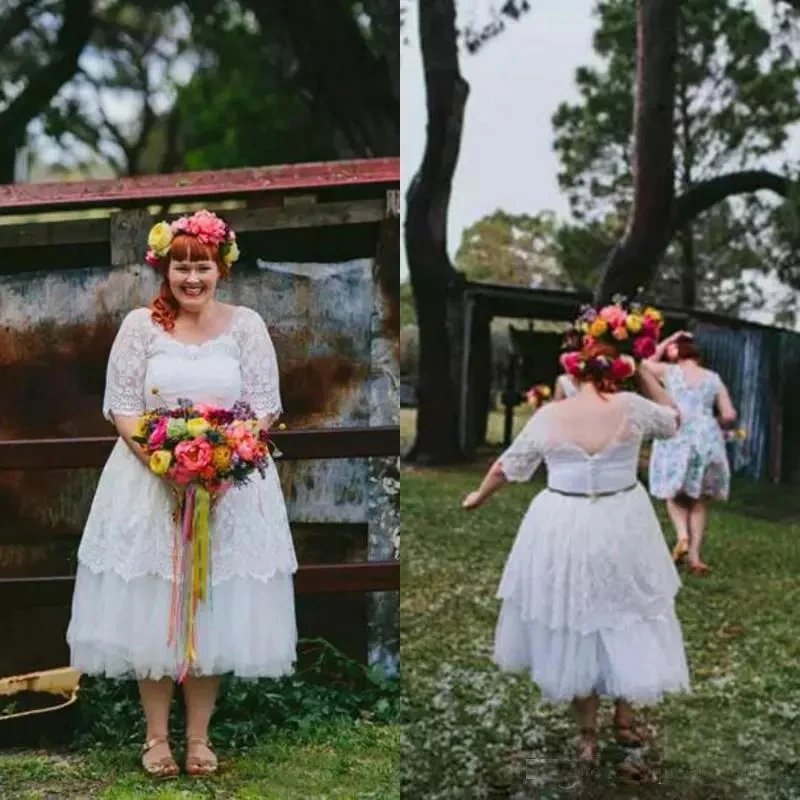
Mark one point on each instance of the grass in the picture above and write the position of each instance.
(473, 732)
(342, 762)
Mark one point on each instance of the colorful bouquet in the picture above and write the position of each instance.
(203, 450)
(735, 435)
(538, 395)
(632, 330)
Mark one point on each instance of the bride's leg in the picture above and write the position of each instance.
(200, 695)
(156, 697)
(586, 712)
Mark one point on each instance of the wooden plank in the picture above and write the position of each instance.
(243, 220)
(128, 232)
(351, 442)
(366, 576)
(225, 183)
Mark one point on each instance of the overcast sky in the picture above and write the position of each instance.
(516, 83)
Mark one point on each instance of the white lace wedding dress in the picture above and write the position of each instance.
(588, 589)
(121, 604)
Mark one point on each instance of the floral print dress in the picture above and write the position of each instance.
(694, 462)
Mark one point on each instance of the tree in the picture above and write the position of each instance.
(734, 98)
(435, 283)
(38, 60)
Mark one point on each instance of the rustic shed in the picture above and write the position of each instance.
(320, 263)
(760, 365)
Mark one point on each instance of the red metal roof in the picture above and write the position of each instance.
(25, 197)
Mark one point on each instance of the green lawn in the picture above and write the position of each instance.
(472, 732)
(343, 761)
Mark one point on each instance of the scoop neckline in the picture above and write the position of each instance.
(225, 332)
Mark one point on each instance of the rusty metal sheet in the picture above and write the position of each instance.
(142, 189)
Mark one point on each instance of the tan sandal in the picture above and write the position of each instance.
(200, 767)
(680, 551)
(163, 769)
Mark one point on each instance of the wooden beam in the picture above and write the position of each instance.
(193, 186)
(365, 576)
(243, 220)
(350, 442)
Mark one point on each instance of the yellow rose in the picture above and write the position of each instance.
(196, 426)
(231, 253)
(221, 457)
(160, 238)
(546, 392)
(598, 328)
(634, 322)
(140, 431)
(654, 314)
(160, 461)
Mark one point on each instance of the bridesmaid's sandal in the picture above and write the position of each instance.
(587, 754)
(634, 771)
(699, 568)
(198, 766)
(164, 768)
(680, 551)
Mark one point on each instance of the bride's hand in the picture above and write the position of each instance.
(472, 501)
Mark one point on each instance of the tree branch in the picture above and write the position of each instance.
(702, 196)
(75, 31)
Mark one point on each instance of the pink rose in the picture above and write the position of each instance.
(613, 315)
(159, 434)
(192, 457)
(623, 368)
(571, 363)
(207, 227)
(151, 258)
(180, 475)
(650, 328)
(589, 342)
(644, 347)
(247, 447)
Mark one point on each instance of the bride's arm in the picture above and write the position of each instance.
(493, 480)
(125, 426)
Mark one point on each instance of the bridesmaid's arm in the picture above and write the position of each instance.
(725, 407)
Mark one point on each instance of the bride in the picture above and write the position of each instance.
(187, 345)
(589, 586)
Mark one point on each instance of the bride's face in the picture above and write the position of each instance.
(194, 283)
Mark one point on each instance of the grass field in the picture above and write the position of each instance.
(472, 732)
(339, 762)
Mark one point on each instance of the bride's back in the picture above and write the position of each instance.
(587, 420)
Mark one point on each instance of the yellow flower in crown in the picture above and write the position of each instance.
(230, 252)
(160, 238)
(634, 322)
(221, 456)
(544, 389)
(654, 314)
(196, 426)
(160, 461)
(598, 328)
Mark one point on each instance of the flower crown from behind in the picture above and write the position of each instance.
(631, 329)
(204, 225)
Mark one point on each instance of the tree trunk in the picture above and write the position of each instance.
(350, 88)
(434, 281)
(633, 262)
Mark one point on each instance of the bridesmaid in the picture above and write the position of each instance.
(691, 470)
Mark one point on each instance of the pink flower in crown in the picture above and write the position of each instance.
(614, 316)
(650, 328)
(179, 225)
(644, 347)
(207, 227)
(571, 363)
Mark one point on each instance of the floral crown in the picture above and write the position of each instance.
(631, 329)
(204, 225)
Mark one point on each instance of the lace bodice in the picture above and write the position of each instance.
(147, 367)
(570, 468)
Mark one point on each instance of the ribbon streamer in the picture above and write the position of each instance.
(191, 565)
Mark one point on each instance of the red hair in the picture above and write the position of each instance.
(687, 350)
(164, 307)
(594, 372)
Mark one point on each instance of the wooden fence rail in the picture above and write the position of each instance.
(89, 452)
